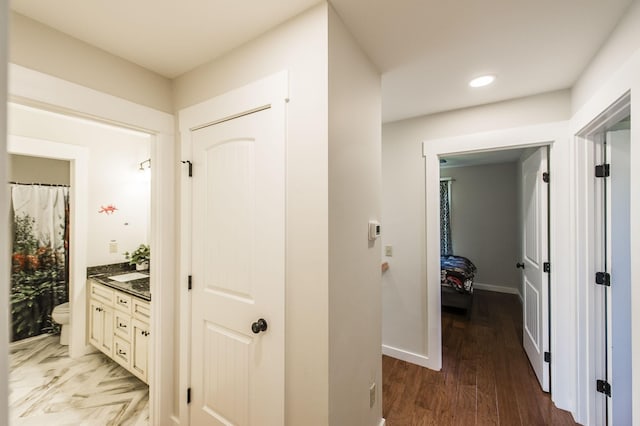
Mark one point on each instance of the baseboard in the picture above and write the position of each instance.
(407, 356)
(28, 340)
(382, 422)
(499, 289)
(495, 288)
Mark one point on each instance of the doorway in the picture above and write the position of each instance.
(78, 162)
(34, 88)
(524, 137)
(499, 226)
(605, 265)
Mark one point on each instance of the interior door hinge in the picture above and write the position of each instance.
(190, 167)
(547, 357)
(604, 387)
(603, 278)
(545, 177)
(188, 395)
(546, 267)
(603, 170)
(189, 283)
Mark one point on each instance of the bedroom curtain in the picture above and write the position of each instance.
(445, 217)
(39, 257)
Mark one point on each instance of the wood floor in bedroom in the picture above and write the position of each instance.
(486, 378)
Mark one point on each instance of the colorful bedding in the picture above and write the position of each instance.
(457, 272)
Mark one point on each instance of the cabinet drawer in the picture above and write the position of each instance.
(141, 309)
(101, 293)
(122, 352)
(123, 302)
(122, 325)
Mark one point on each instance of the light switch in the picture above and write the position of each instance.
(113, 246)
(374, 230)
(388, 251)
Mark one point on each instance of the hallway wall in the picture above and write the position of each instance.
(42, 48)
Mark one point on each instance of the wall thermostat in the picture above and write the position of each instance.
(374, 230)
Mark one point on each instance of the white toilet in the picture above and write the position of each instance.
(60, 315)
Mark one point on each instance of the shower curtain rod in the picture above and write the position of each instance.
(40, 184)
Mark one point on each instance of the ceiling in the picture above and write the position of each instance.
(426, 50)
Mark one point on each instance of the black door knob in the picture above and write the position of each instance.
(258, 326)
(520, 265)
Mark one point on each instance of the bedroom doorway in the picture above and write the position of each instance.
(528, 137)
(493, 219)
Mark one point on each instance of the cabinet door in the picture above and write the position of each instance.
(140, 344)
(106, 345)
(95, 323)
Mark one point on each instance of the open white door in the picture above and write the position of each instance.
(535, 251)
(237, 369)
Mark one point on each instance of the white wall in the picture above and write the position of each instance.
(299, 46)
(404, 295)
(613, 56)
(614, 71)
(39, 47)
(25, 169)
(114, 156)
(484, 213)
(355, 360)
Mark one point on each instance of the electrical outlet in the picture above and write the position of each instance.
(372, 395)
(113, 246)
(388, 251)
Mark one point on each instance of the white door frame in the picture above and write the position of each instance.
(252, 97)
(33, 88)
(78, 158)
(552, 134)
(587, 248)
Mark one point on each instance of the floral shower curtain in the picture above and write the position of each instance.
(40, 257)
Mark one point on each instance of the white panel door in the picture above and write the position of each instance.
(535, 253)
(237, 375)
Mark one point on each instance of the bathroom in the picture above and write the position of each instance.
(101, 176)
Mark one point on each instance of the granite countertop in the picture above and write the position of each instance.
(138, 288)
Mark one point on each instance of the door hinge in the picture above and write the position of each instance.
(546, 267)
(603, 170)
(188, 395)
(190, 167)
(547, 357)
(604, 387)
(603, 278)
(189, 283)
(545, 177)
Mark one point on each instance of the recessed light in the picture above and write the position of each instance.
(482, 81)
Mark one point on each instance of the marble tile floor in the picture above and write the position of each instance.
(49, 388)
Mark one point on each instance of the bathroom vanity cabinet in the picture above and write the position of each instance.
(119, 327)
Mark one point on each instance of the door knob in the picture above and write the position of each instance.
(520, 265)
(258, 326)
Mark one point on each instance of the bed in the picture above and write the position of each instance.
(456, 282)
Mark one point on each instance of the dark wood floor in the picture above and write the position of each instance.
(486, 378)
